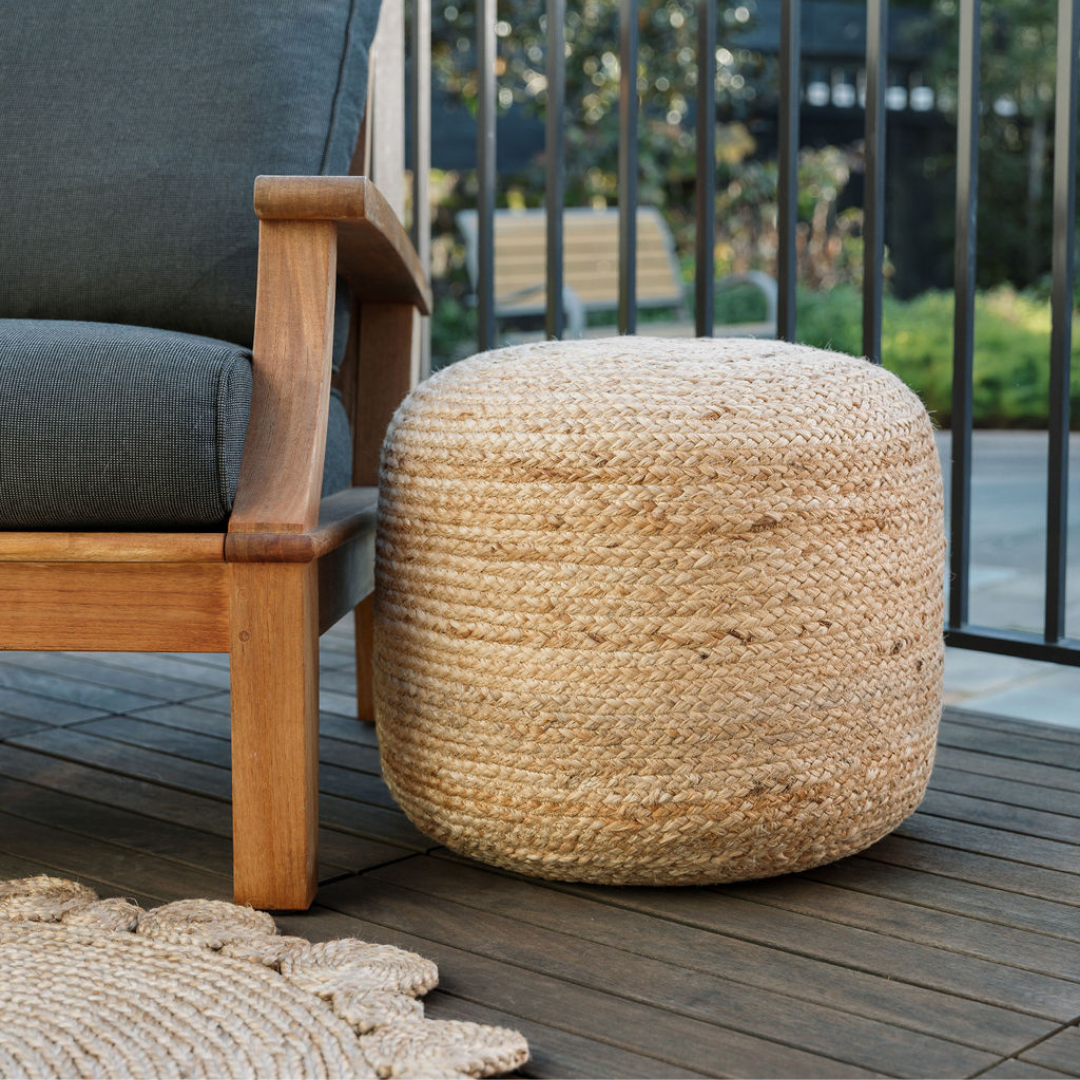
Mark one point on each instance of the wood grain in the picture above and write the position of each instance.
(345, 803)
(1008, 792)
(111, 547)
(275, 718)
(1021, 1070)
(385, 376)
(112, 863)
(156, 809)
(675, 989)
(943, 894)
(555, 1053)
(343, 517)
(912, 922)
(567, 1005)
(999, 872)
(346, 576)
(281, 471)
(874, 996)
(1060, 1051)
(114, 606)
(912, 962)
(1010, 744)
(375, 255)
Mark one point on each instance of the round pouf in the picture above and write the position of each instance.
(659, 611)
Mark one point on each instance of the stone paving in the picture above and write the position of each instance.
(1007, 586)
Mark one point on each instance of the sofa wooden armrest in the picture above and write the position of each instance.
(311, 230)
(375, 255)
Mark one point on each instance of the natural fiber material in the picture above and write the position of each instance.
(82, 996)
(659, 611)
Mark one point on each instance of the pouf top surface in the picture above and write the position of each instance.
(727, 386)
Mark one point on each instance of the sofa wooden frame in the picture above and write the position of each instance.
(290, 564)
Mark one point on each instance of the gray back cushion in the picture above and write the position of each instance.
(131, 132)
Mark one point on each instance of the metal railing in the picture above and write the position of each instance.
(1052, 644)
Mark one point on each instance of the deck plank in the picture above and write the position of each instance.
(983, 840)
(1014, 1069)
(569, 1006)
(105, 699)
(1009, 792)
(873, 996)
(977, 810)
(1000, 873)
(559, 1053)
(43, 710)
(161, 665)
(959, 715)
(854, 947)
(661, 984)
(349, 848)
(1047, 776)
(914, 922)
(14, 725)
(213, 749)
(338, 786)
(118, 866)
(1009, 744)
(1060, 1051)
(105, 675)
(950, 948)
(205, 721)
(952, 895)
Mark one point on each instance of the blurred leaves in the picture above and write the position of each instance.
(1012, 342)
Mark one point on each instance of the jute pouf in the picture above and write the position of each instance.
(201, 988)
(659, 611)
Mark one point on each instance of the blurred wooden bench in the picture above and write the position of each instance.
(590, 274)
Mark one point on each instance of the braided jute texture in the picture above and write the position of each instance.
(659, 611)
(101, 988)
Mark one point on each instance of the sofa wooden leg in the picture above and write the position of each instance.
(275, 733)
(365, 669)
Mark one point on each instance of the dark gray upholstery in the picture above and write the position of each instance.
(130, 137)
(337, 466)
(127, 427)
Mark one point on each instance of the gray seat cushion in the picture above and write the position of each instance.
(130, 137)
(105, 426)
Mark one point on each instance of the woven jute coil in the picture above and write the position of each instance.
(659, 611)
(333, 967)
(452, 1044)
(81, 995)
(213, 923)
(42, 899)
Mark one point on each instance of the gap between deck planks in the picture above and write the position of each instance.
(950, 948)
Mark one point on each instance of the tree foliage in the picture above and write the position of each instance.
(1017, 72)
(667, 85)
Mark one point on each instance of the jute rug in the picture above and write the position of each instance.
(201, 988)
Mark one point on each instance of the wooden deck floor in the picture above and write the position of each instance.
(952, 948)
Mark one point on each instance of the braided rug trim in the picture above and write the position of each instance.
(659, 611)
(202, 988)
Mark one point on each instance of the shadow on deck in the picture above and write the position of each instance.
(951, 948)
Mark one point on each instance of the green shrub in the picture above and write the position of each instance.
(1012, 349)
(454, 324)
